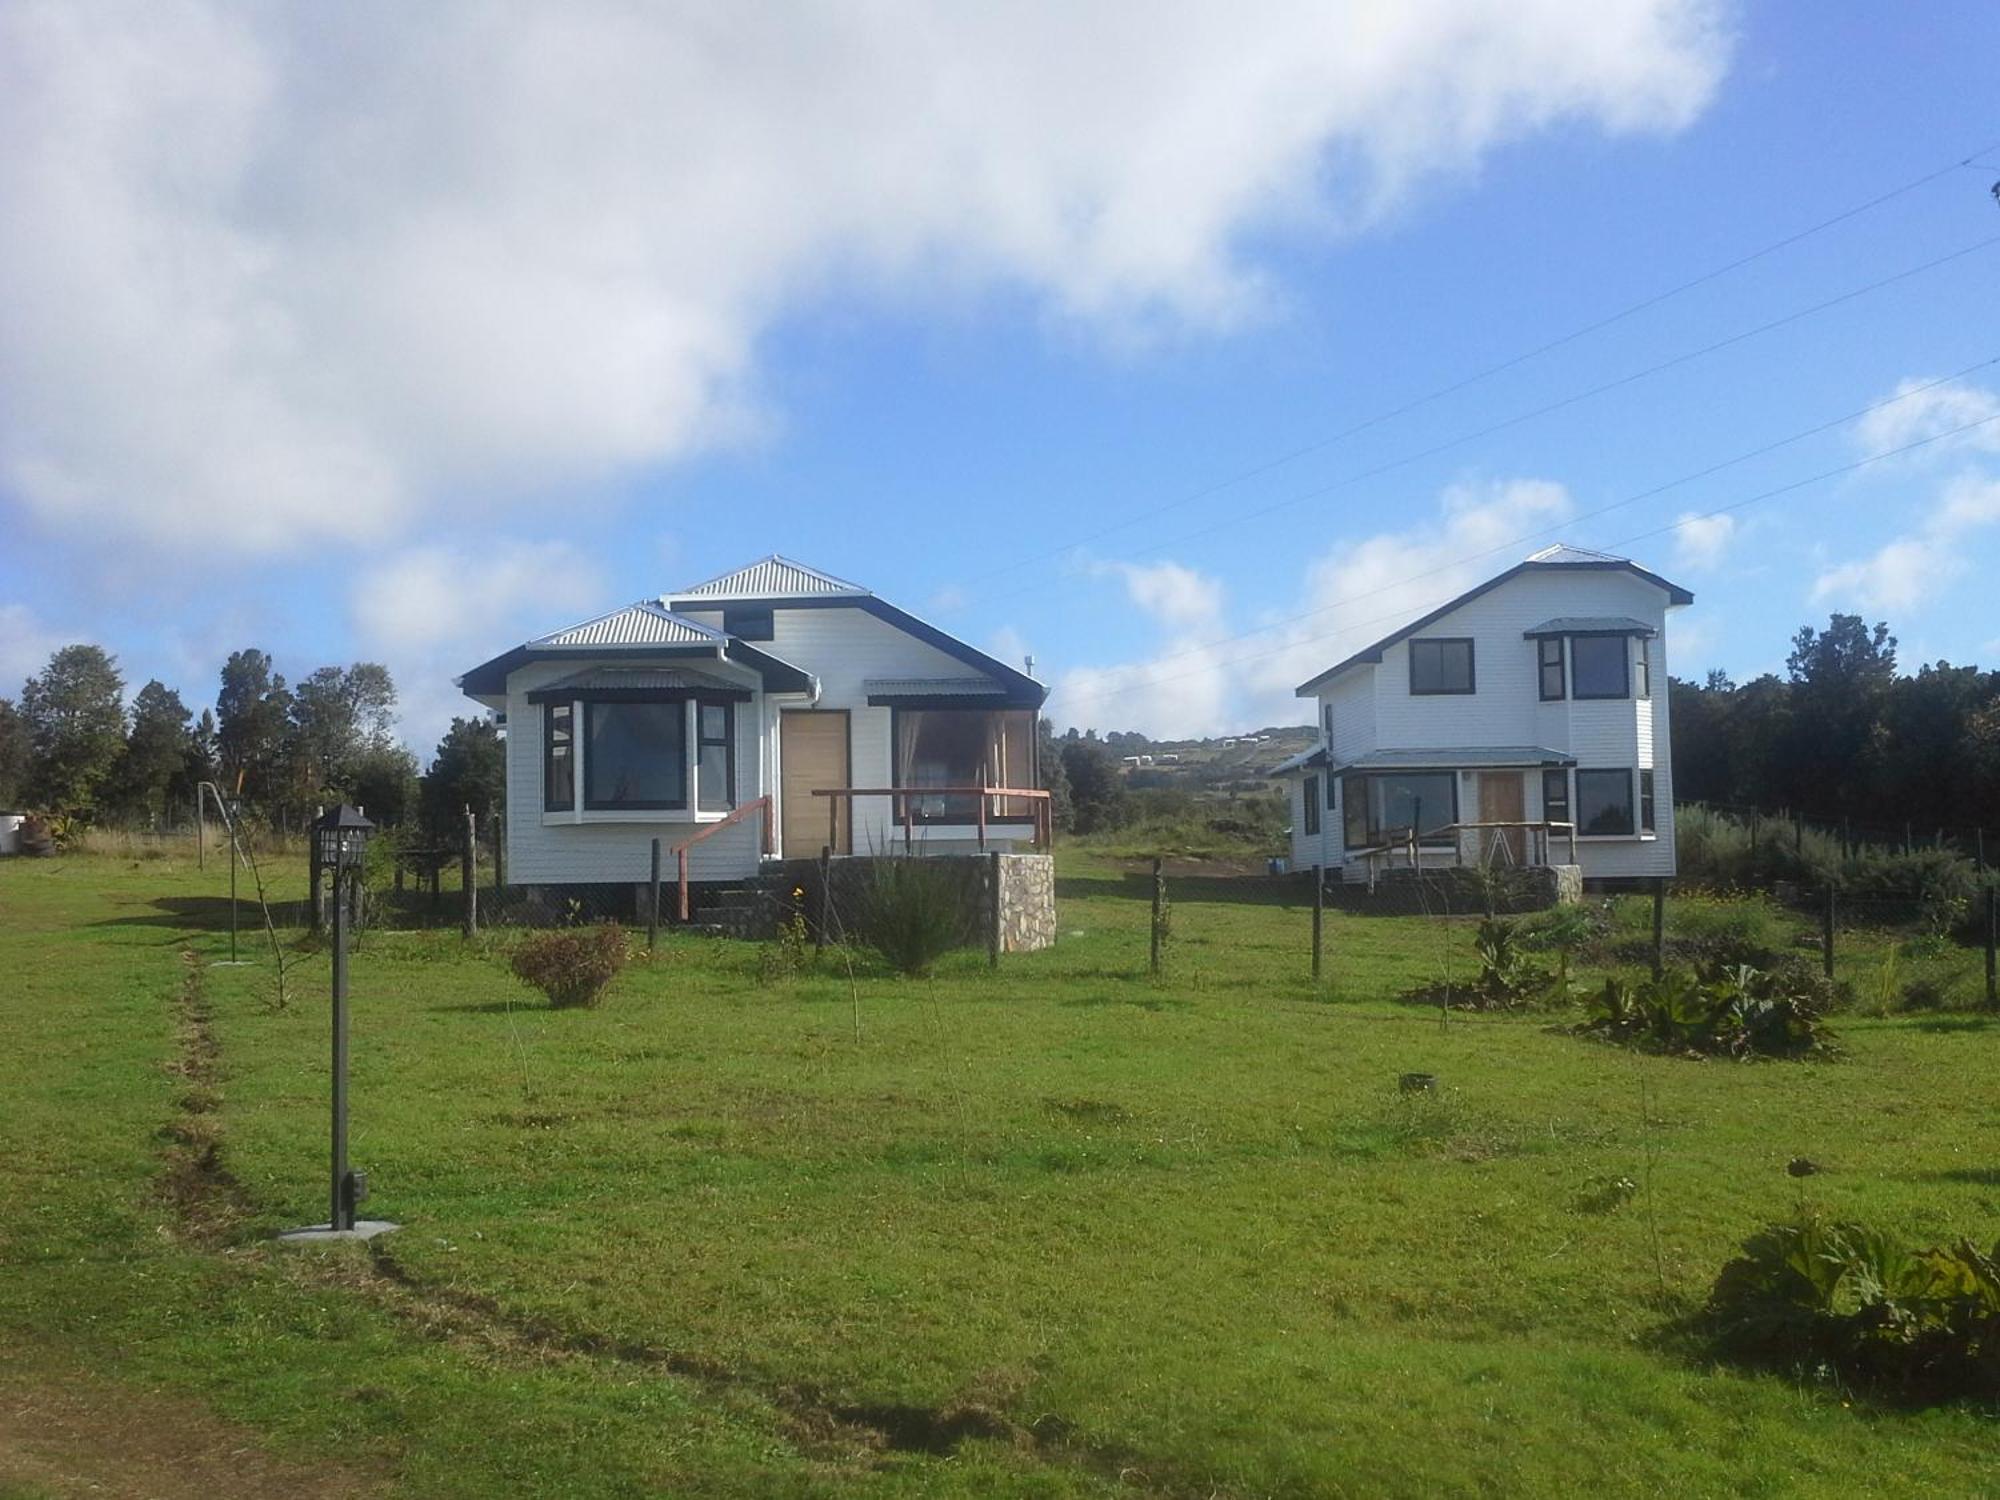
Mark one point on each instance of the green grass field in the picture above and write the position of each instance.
(1063, 1230)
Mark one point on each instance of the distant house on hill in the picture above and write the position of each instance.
(1524, 722)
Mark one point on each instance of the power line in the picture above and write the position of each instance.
(1236, 519)
(1783, 489)
(1501, 367)
(1603, 510)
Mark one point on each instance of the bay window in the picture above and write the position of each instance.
(558, 757)
(1646, 802)
(964, 747)
(638, 750)
(1311, 804)
(1550, 652)
(1604, 802)
(1383, 804)
(715, 761)
(634, 756)
(1599, 666)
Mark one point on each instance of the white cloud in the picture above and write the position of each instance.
(1911, 570)
(431, 613)
(1173, 594)
(1941, 409)
(1210, 681)
(1701, 541)
(26, 645)
(298, 274)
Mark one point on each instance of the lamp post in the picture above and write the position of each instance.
(341, 842)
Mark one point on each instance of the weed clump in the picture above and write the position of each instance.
(1846, 1301)
(913, 912)
(572, 966)
(1731, 1012)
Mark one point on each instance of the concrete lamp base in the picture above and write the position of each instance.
(324, 1234)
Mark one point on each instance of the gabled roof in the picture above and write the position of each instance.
(1559, 558)
(643, 624)
(771, 577)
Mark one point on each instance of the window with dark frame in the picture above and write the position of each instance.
(635, 756)
(1312, 806)
(749, 623)
(1555, 795)
(1604, 802)
(1326, 723)
(1643, 664)
(1332, 795)
(1600, 666)
(715, 756)
(1441, 666)
(1646, 802)
(558, 757)
(1550, 648)
(1384, 803)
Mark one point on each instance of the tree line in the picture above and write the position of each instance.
(72, 748)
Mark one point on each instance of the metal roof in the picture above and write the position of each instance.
(1559, 558)
(643, 624)
(1305, 758)
(1505, 757)
(1591, 625)
(933, 687)
(647, 679)
(772, 577)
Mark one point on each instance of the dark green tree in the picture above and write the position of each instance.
(1096, 789)
(154, 765)
(1054, 779)
(468, 770)
(1840, 679)
(382, 780)
(75, 716)
(13, 756)
(337, 715)
(253, 718)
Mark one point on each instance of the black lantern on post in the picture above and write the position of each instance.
(341, 844)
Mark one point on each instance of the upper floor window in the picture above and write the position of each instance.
(1550, 652)
(1643, 663)
(1442, 665)
(1599, 666)
(749, 623)
(1326, 723)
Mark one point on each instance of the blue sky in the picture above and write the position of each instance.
(402, 343)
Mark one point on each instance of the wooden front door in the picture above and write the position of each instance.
(1502, 800)
(812, 748)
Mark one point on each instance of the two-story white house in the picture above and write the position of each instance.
(1525, 719)
(721, 717)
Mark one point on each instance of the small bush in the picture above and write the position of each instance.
(1507, 980)
(913, 912)
(1734, 1012)
(572, 966)
(1824, 1299)
(1932, 888)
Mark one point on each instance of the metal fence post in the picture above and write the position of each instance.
(1826, 932)
(1159, 891)
(653, 902)
(1319, 918)
(469, 872)
(1659, 925)
(994, 934)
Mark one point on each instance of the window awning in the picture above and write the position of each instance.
(1485, 758)
(609, 684)
(1591, 625)
(941, 692)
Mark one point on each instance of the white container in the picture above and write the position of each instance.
(10, 832)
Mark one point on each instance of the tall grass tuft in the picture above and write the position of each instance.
(913, 912)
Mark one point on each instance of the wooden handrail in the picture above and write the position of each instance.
(709, 831)
(1044, 816)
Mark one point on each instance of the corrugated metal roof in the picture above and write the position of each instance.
(1313, 757)
(1562, 552)
(933, 687)
(671, 679)
(772, 577)
(1505, 757)
(641, 624)
(1591, 625)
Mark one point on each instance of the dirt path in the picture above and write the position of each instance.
(65, 1435)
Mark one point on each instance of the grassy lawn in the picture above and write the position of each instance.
(1063, 1230)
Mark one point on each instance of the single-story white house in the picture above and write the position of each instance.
(766, 713)
(1524, 722)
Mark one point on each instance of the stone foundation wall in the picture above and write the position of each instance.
(1027, 893)
(1027, 902)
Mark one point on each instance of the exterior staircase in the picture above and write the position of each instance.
(749, 911)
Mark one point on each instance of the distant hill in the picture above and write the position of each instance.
(1222, 763)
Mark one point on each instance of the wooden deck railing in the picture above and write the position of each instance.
(906, 797)
(1405, 841)
(709, 831)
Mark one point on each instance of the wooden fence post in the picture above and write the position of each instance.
(653, 902)
(825, 894)
(1659, 925)
(1826, 932)
(1159, 891)
(1319, 918)
(1992, 943)
(994, 933)
(469, 872)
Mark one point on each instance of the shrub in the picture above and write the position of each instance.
(1817, 1298)
(913, 912)
(1932, 888)
(572, 966)
(1734, 1012)
(1507, 980)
